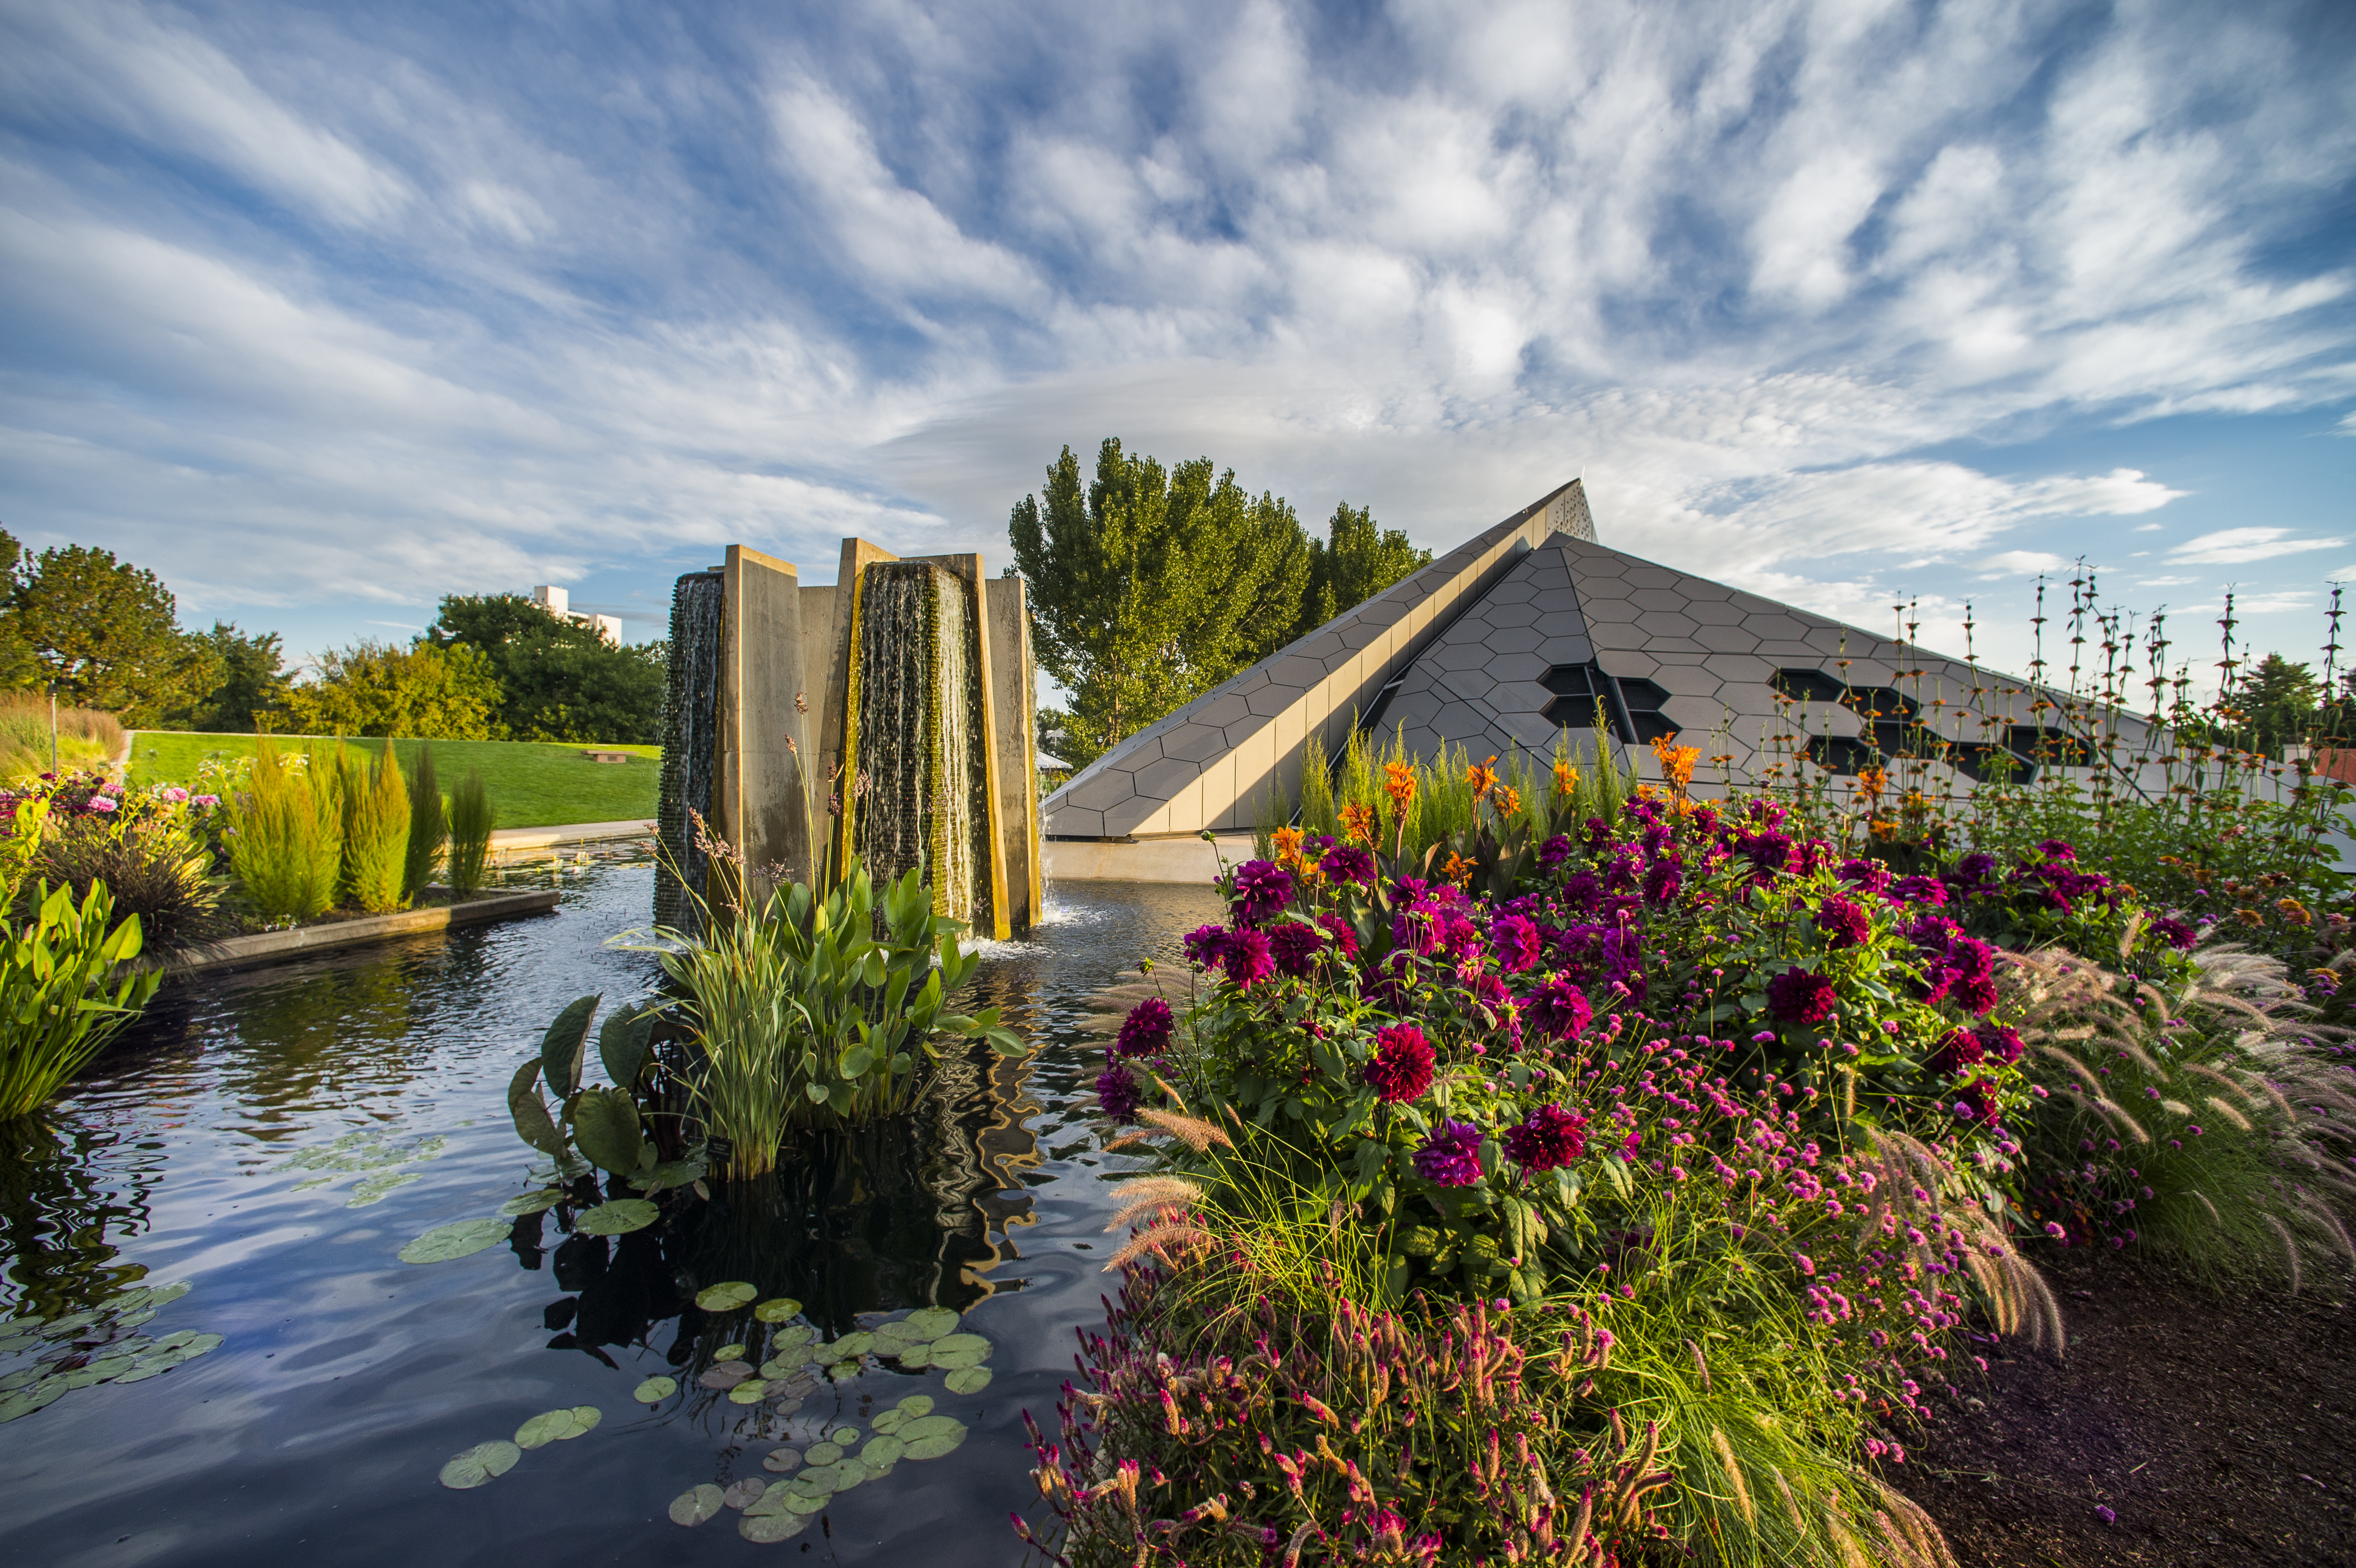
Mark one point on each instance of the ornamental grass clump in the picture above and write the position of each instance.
(429, 826)
(286, 841)
(376, 820)
(472, 820)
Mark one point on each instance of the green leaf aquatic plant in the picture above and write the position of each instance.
(66, 989)
(98, 1345)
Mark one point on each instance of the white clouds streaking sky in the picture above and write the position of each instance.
(324, 313)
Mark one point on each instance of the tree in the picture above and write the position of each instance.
(1356, 562)
(2275, 702)
(247, 686)
(421, 690)
(561, 680)
(1152, 587)
(104, 631)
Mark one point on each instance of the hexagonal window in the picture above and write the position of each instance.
(2048, 746)
(1631, 705)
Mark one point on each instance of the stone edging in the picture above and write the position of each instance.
(272, 947)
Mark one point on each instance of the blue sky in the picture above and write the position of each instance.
(324, 311)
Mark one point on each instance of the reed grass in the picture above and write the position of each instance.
(429, 826)
(376, 817)
(85, 737)
(471, 818)
(287, 844)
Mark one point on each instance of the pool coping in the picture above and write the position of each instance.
(273, 947)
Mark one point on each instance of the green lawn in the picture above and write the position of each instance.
(532, 784)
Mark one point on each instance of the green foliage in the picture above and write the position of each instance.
(472, 821)
(286, 846)
(60, 1004)
(376, 689)
(246, 686)
(429, 826)
(149, 852)
(20, 843)
(103, 630)
(1152, 587)
(559, 680)
(1354, 562)
(600, 1125)
(376, 831)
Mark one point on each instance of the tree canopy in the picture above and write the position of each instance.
(103, 630)
(1150, 586)
(380, 688)
(559, 679)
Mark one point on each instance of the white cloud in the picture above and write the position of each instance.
(2233, 545)
(2009, 562)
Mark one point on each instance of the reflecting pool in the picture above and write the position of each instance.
(273, 1138)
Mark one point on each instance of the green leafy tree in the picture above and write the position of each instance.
(2275, 704)
(104, 631)
(1356, 562)
(248, 684)
(561, 680)
(1151, 586)
(421, 690)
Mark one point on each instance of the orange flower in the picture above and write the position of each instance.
(1872, 781)
(1482, 777)
(1566, 778)
(1507, 801)
(1288, 846)
(1358, 824)
(2294, 911)
(1398, 783)
(1677, 761)
(1458, 870)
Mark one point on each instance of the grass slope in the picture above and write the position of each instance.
(532, 784)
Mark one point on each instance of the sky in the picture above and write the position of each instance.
(324, 311)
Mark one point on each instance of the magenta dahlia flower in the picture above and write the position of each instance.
(1262, 887)
(1403, 1064)
(1295, 947)
(1844, 924)
(1119, 1094)
(1451, 1156)
(1248, 959)
(1547, 1137)
(1147, 1029)
(1801, 996)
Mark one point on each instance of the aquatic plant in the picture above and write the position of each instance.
(429, 826)
(600, 1125)
(472, 819)
(100, 1344)
(61, 1000)
(376, 823)
(285, 842)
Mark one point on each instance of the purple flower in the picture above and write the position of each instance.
(1146, 1031)
(1459, 938)
(1118, 1093)
(1247, 959)
(1560, 1009)
(1976, 1101)
(102, 804)
(2055, 849)
(1663, 883)
(1547, 1137)
(1402, 1066)
(1555, 850)
(1801, 996)
(1451, 1156)
(1975, 994)
(1515, 940)
(1295, 947)
(1975, 870)
(1582, 891)
(2001, 1043)
(1768, 851)
(1844, 924)
(1919, 890)
(1207, 945)
(2175, 933)
(1869, 876)
(1419, 928)
(1262, 887)
(1348, 863)
(1347, 938)
(1959, 1049)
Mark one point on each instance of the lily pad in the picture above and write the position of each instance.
(691, 1508)
(850, 1347)
(585, 1418)
(806, 1503)
(538, 1202)
(934, 1445)
(844, 1372)
(777, 1309)
(463, 1239)
(969, 1379)
(749, 1392)
(782, 1460)
(726, 1296)
(376, 1188)
(619, 1217)
(725, 1376)
(932, 1322)
(882, 1452)
(769, 1529)
(952, 1360)
(745, 1493)
(68, 1326)
(771, 1503)
(479, 1464)
(850, 1473)
(788, 1403)
(160, 1295)
(824, 1452)
(669, 1174)
(889, 1421)
(915, 1406)
(544, 1428)
(790, 1338)
(729, 1353)
(844, 1436)
(25, 1401)
(781, 1367)
(960, 1343)
(817, 1481)
(654, 1391)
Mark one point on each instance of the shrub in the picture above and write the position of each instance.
(376, 831)
(376, 689)
(286, 846)
(58, 1002)
(472, 820)
(148, 847)
(85, 737)
(429, 826)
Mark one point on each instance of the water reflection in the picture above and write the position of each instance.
(59, 1198)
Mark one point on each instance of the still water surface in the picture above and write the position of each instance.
(225, 1143)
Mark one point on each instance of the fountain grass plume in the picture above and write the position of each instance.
(376, 823)
(472, 819)
(287, 840)
(429, 826)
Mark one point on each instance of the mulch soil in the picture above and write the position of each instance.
(2216, 1428)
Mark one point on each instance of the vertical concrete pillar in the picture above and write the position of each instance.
(836, 768)
(1006, 631)
(762, 789)
(968, 569)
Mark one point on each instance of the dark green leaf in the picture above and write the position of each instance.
(560, 1048)
(532, 1123)
(622, 1046)
(606, 1129)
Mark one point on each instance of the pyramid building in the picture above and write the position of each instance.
(1529, 631)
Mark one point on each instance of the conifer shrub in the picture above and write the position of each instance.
(472, 820)
(285, 842)
(376, 818)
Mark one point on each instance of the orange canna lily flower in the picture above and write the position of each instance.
(1358, 825)
(1482, 777)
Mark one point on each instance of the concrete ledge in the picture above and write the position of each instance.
(509, 842)
(1186, 859)
(273, 947)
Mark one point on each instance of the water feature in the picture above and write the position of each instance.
(273, 1138)
(690, 721)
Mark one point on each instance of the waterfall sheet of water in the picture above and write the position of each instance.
(691, 735)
